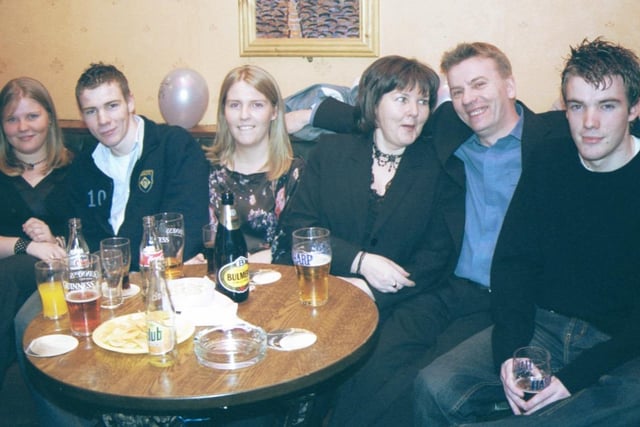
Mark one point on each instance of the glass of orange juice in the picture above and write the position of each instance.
(49, 279)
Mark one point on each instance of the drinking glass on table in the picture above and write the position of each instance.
(81, 282)
(124, 245)
(112, 271)
(311, 253)
(208, 241)
(531, 369)
(49, 279)
(170, 230)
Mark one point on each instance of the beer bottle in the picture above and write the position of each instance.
(230, 253)
(77, 248)
(150, 249)
(161, 318)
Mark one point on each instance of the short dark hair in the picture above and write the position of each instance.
(464, 51)
(389, 73)
(598, 61)
(99, 73)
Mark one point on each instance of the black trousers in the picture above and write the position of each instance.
(380, 392)
(17, 282)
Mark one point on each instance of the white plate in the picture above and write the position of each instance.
(51, 345)
(132, 291)
(128, 334)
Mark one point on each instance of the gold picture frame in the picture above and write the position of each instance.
(362, 42)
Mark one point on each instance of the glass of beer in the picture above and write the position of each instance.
(170, 231)
(311, 253)
(208, 241)
(123, 245)
(82, 292)
(531, 369)
(49, 279)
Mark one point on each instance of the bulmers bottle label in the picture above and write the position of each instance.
(234, 276)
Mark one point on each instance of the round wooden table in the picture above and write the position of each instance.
(344, 327)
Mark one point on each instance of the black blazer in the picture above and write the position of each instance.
(446, 132)
(334, 192)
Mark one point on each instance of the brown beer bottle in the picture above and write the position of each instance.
(230, 253)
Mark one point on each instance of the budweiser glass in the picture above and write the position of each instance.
(123, 245)
(311, 253)
(81, 282)
(49, 279)
(170, 231)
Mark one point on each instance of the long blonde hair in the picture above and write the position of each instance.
(280, 151)
(11, 94)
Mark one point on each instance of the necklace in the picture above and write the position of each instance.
(31, 166)
(383, 159)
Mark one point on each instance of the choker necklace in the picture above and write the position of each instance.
(31, 166)
(383, 159)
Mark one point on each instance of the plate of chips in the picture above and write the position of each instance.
(128, 334)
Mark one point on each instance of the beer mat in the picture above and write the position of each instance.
(290, 339)
(264, 277)
(128, 334)
(197, 301)
(51, 345)
(132, 291)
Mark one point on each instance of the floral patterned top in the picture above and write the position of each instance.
(259, 202)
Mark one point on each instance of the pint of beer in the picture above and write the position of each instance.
(170, 231)
(311, 253)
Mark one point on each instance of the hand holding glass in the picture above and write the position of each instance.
(531, 369)
(311, 253)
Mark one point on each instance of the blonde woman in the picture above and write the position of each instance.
(252, 156)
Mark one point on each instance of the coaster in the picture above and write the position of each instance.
(132, 291)
(51, 345)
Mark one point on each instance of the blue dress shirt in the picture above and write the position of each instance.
(492, 174)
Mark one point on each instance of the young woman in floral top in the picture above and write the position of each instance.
(252, 156)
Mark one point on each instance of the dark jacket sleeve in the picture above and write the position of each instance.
(336, 116)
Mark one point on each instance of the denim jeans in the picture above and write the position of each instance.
(462, 386)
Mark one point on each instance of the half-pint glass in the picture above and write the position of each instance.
(49, 279)
(311, 253)
(123, 245)
(170, 230)
(82, 293)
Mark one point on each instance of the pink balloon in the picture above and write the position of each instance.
(183, 97)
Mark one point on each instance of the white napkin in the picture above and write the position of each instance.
(196, 300)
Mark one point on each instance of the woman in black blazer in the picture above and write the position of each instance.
(379, 192)
(376, 190)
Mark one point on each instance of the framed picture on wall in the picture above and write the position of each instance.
(308, 28)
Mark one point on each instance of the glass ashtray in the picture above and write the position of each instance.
(230, 346)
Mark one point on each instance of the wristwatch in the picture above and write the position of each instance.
(21, 246)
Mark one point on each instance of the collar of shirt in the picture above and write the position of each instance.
(492, 174)
(120, 169)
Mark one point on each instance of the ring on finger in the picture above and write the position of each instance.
(395, 285)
